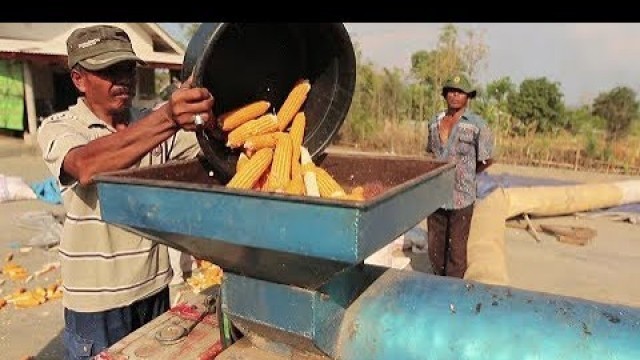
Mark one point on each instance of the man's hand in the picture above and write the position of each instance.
(483, 165)
(187, 102)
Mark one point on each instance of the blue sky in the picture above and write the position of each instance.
(585, 58)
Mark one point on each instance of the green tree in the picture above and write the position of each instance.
(417, 108)
(359, 122)
(538, 105)
(618, 108)
(582, 120)
(491, 103)
(394, 100)
(498, 90)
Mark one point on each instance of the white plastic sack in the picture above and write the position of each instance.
(390, 256)
(415, 239)
(13, 188)
(48, 227)
(181, 264)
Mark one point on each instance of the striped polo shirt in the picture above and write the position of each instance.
(103, 266)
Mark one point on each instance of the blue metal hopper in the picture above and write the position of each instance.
(294, 240)
(295, 282)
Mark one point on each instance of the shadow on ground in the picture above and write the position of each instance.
(54, 350)
(418, 261)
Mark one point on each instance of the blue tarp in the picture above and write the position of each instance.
(48, 190)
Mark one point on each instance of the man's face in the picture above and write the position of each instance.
(111, 89)
(456, 99)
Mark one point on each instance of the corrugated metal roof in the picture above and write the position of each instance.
(49, 39)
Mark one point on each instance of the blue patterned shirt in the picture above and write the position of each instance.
(469, 142)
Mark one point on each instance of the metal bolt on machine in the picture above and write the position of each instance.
(295, 284)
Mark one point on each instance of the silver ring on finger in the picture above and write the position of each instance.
(197, 119)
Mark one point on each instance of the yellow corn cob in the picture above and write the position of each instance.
(356, 194)
(262, 125)
(242, 161)
(57, 294)
(308, 175)
(280, 174)
(51, 289)
(358, 191)
(26, 303)
(15, 294)
(296, 185)
(39, 291)
(237, 117)
(352, 197)
(262, 141)
(249, 174)
(18, 297)
(293, 103)
(297, 136)
(296, 168)
(327, 185)
(40, 295)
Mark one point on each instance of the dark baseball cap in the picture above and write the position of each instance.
(100, 46)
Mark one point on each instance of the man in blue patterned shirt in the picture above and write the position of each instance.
(456, 135)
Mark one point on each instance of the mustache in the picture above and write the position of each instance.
(122, 90)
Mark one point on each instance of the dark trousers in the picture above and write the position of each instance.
(448, 232)
(87, 334)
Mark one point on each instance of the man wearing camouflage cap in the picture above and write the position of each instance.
(114, 281)
(456, 135)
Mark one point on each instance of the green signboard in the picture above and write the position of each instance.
(11, 95)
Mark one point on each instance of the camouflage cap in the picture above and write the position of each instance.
(460, 83)
(98, 47)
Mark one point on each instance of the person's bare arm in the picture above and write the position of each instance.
(484, 148)
(124, 148)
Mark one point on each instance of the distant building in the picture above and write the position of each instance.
(35, 81)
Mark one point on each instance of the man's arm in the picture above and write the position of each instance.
(119, 150)
(124, 148)
(484, 147)
(429, 143)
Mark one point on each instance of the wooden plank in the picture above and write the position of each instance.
(201, 344)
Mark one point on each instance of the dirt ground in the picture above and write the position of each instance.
(605, 270)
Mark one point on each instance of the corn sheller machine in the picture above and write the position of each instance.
(295, 282)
